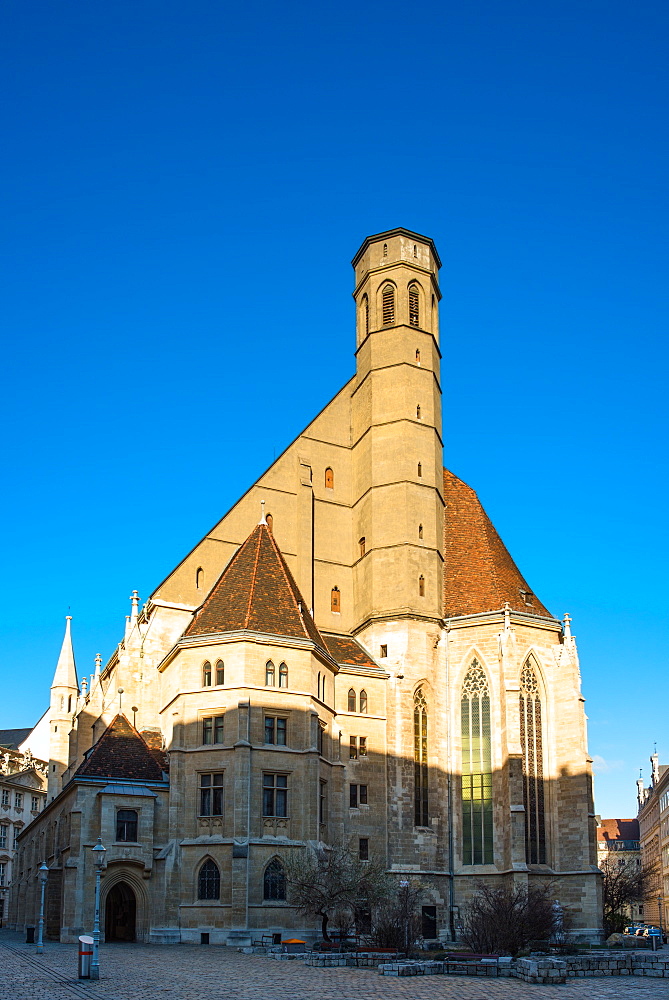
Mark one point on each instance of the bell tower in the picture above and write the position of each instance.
(396, 430)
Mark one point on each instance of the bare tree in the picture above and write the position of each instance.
(624, 883)
(504, 919)
(334, 882)
(397, 921)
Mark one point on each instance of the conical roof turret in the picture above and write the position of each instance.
(66, 671)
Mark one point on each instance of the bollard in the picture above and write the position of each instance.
(85, 953)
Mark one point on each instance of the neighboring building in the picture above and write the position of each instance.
(618, 844)
(366, 664)
(22, 798)
(654, 837)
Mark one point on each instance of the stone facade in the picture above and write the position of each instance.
(654, 839)
(430, 711)
(22, 798)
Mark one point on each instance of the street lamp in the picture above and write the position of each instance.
(42, 874)
(99, 855)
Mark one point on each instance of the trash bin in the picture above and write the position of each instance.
(30, 935)
(85, 955)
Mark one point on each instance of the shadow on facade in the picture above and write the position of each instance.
(239, 800)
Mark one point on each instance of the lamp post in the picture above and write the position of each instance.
(42, 874)
(99, 855)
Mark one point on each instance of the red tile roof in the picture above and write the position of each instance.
(343, 649)
(479, 573)
(618, 829)
(256, 592)
(122, 753)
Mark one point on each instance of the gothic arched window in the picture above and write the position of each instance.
(199, 578)
(413, 306)
(329, 479)
(420, 759)
(206, 674)
(283, 676)
(220, 672)
(364, 318)
(274, 881)
(270, 524)
(533, 766)
(418, 412)
(269, 674)
(421, 586)
(477, 848)
(363, 702)
(351, 700)
(209, 881)
(388, 305)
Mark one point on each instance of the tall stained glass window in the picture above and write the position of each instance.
(533, 766)
(476, 769)
(420, 758)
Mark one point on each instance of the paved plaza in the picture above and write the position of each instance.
(191, 972)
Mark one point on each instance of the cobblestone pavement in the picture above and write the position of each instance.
(191, 972)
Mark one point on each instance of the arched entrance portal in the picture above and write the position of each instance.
(120, 913)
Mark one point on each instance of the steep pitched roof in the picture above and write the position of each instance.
(256, 592)
(10, 739)
(344, 649)
(618, 829)
(479, 573)
(121, 753)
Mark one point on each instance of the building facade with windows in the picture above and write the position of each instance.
(349, 656)
(653, 817)
(618, 846)
(22, 798)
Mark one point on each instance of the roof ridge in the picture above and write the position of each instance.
(254, 575)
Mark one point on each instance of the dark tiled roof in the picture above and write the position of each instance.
(343, 649)
(256, 591)
(12, 738)
(618, 829)
(479, 573)
(121, 753)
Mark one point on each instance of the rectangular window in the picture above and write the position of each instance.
(34, 803)
(126, 826)
(429, 922)
(321, 737)
(275, 731)
(363, 746)
(363, 795)
(208, 731)
(211, 794)
(3, 836)
(353, 796)
(323, 803)
(218, 728)
(275, 795)
(3, 870)
(363, 849)
(353, 748)
(16, 837)
(384, 652)
(18, 801)
(5, 797)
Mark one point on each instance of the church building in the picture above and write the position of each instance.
(349, 656)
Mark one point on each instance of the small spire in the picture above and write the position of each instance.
(134, 600)
(98, 664)
(566, 627)
(84, 687)
(262, 513)
(66, 671)
(507, 617)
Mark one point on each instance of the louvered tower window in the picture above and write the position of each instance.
(365, 314)
(476, 769)
(533, 766)
(388, 305)
(420, 786)
(413, 306)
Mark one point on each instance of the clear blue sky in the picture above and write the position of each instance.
(177, 179)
